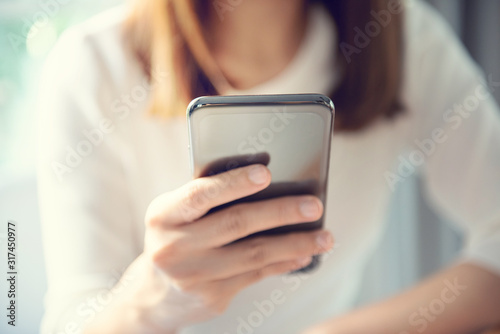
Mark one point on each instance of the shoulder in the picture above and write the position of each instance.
(97, 36)
(424, 24)
(430, 41)
(91, 62)
(438, 70)
(93, 51)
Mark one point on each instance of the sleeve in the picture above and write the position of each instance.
(85, 207)
(458, 133)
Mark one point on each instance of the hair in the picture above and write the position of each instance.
(167, 35)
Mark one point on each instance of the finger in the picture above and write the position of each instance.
(240, 220)
(238, 283)
(255, 253)
(197, 197)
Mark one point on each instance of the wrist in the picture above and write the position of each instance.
(135, 307)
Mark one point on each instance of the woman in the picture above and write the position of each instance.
(128, 252)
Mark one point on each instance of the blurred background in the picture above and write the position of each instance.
(416, 242)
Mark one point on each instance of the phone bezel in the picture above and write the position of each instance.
(257, 100)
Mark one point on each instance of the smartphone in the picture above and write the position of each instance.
(290, 134)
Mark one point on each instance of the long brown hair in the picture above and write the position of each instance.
(168, 36)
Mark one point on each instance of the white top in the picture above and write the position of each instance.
(103, 159)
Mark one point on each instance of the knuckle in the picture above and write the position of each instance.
(257, 253)
(259, 274)
(167, 255)
(303, 241)
(162, 260)
(194, 198)
(290, 266)
(172, 248)
(153, 217)
(154, 221)
(234, 222)
(157, 259)
(302, 244)
(218, 183)
(187, 276)
(282, 212)
(194, 191)
(284, 267)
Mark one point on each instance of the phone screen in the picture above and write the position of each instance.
(294, 138)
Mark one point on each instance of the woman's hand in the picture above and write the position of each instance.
(190, 270)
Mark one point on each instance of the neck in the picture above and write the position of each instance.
(256, 39)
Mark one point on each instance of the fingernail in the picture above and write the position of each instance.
(309, 208)
(258, 174)
(324, 240)
(303, 261)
